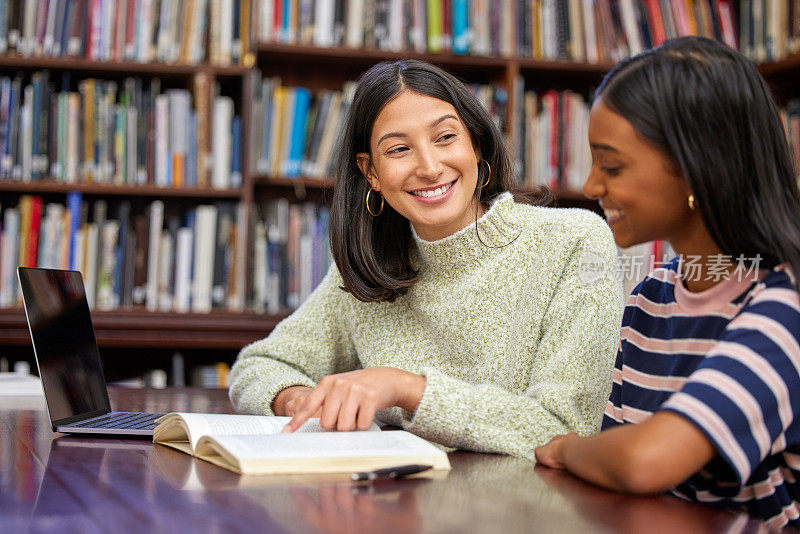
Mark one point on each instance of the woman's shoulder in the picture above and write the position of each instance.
(571, 218)
(568, 225)
(777, 287)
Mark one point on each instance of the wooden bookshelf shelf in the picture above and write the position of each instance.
(117, 190)
(105, 67)
(788, 65)
(138, 328)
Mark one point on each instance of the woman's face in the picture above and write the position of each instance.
(423, 163)
(642, 196)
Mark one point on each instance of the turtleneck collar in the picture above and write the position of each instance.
(496, 228)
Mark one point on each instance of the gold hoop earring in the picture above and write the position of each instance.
(692, 203)
(367, 200)
(490, 172)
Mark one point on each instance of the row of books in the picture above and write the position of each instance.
(291, 135)
(207, 376)
(168, 31)
(291, 254)
(162, 259)
(552, 144)
(552, 147)
(165, 259)
(769, 29)
(295, 133)
(193, 31)
(131, 133)
(580, 30)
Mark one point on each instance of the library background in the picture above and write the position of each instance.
(179, 152)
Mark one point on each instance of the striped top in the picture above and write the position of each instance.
(728, 360)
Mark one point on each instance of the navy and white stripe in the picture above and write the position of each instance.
(728, 360)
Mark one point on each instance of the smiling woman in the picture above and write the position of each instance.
(452, 310)
(428, 172)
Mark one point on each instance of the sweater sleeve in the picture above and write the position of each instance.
(309, 344)
(570, 376)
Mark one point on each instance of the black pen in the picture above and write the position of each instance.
(391, 472)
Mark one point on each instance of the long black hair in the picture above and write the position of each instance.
(707, 107)
(373, 253)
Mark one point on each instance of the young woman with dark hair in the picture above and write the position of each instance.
(688, 146)
(451, 310)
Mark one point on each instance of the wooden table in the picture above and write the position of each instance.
(57, 483)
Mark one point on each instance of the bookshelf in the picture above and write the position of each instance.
(298, 63)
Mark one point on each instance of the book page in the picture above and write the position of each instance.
(203, 424)
(328, 445)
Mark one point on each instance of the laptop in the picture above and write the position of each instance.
(67, 357)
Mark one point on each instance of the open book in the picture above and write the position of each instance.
(253, 445)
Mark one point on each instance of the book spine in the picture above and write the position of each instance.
(236, 152)
(8, 255)
(183, 268)
(156, 224)
(434, 25)
(221, 140)
(298, 132)
(203, 259)
(461, 34)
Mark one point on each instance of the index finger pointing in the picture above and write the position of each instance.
(310, 405)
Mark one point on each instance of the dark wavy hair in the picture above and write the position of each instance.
(708, 109)
(373, 253)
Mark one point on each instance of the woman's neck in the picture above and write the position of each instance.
(703, 264)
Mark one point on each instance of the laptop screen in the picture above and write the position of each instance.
(64, 344)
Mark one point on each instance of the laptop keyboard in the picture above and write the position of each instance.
(126, 420)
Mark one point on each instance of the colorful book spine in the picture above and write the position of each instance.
(74, 201)
(461, 34)
(293, 163)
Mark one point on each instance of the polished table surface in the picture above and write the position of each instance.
(56, 483)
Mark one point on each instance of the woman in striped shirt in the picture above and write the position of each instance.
(688, 146)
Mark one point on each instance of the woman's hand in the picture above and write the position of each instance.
(287, 400)
(551, 453)
(348, 401)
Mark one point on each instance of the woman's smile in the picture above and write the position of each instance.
(434, 194)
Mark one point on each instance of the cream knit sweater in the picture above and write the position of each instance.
(515, 333)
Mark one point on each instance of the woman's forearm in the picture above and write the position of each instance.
(650, 457)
